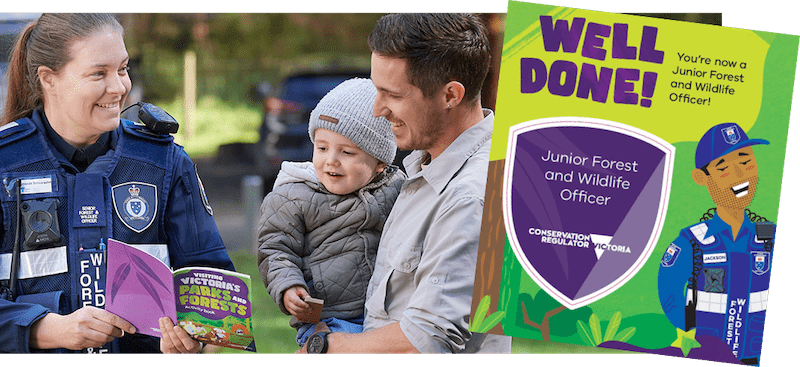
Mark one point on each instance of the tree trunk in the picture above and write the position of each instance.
(492, 243)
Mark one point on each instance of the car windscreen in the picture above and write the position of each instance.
(308, 90)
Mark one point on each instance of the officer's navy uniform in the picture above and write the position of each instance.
(732, 285)
(136, 187)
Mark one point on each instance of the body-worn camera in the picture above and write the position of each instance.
(40, 221)
(157, 119)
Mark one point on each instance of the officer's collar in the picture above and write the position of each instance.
(105, 142)
(716, 225)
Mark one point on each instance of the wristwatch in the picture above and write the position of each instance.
(318, 342)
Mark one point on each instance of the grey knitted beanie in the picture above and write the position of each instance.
(347, 110)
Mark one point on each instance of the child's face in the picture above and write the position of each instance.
(342, 166)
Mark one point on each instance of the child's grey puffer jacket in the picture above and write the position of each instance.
(322, 241)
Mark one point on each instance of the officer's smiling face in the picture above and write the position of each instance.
(84, 98)
(732, 179)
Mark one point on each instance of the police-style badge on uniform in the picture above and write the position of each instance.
(670, 255)
(760, 262)
(731, 134)
(135, 204)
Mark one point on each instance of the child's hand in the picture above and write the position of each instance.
(293, 300)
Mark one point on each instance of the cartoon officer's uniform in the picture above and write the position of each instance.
(712, 281)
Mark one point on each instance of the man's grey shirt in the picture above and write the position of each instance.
(425, 267)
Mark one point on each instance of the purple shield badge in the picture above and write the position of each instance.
(585, 203)
(135, 204)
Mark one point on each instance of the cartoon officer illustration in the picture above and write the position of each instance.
(715, 276)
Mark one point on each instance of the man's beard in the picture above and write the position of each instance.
(425, 138)
(739, 196)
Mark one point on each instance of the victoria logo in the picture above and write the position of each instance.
(584, 203)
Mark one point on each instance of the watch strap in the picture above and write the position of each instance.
(323, 335)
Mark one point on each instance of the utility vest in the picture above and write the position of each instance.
(732, 291)
(66, 219)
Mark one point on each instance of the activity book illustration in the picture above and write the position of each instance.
(212, 305)
(634, 183)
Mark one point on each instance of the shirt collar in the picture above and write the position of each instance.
(717, 226)
(441, 170)
(100, 147)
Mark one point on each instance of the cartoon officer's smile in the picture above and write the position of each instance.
(741, 189)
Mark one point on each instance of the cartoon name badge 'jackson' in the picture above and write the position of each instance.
(587, 201)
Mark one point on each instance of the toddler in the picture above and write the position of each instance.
(321, 224)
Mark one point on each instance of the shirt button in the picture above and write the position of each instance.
(407, 266)
(435, 280)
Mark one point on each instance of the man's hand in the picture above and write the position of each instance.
(387, 339)
(87, 327)
(321, 326)
(175, 340)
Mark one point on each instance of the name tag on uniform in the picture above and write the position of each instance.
(37, 185)
(715, 258)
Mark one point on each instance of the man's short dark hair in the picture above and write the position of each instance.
(439, 48)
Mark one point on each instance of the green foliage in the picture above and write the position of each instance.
(591, 333)
(237, 51)
(584, 332)
(562, 324)
(653, 331)
(480, 323)
(613, 325)
(217, 123)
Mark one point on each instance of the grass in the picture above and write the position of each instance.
(270, 326)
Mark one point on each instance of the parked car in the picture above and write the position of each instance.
(283, 135)
(11, 25)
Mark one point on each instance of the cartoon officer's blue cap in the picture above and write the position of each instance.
(720, 140)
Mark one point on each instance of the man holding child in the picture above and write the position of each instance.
(428, 70)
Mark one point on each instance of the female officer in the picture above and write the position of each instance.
(74, 175)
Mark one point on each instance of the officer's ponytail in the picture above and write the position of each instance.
(19, 93)
(46, 42)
